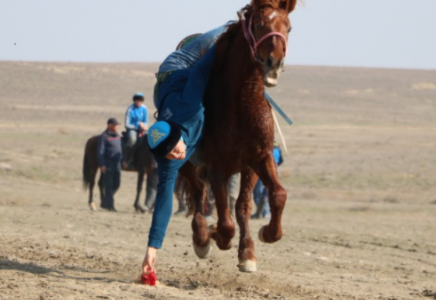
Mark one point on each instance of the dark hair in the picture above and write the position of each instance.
(137, 97)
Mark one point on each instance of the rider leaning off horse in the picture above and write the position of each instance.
(136, 122)
(178, 97)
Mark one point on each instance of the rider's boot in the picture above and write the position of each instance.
(260, 208)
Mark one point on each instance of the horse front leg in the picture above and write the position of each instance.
(247, 259)
(267, 171)
(196, 197)
(136, 205)
(224, 231)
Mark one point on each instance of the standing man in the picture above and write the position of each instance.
(136, 123)
(260, 193)
(109, 159)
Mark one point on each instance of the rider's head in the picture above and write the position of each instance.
(165, 140)
(138, 99)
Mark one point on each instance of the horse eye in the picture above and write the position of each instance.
(289, 29)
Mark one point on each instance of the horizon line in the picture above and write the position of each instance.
(156, 62)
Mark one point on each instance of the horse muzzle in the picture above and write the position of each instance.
(271, 70)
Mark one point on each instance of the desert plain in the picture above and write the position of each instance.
(360, 172)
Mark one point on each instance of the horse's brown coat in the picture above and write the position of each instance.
(239, 133)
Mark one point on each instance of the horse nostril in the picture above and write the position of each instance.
(270, 62)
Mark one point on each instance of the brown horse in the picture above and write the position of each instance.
(239, 129)
(144, 161)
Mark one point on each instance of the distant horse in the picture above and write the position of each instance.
(145, 164)
(239, 129)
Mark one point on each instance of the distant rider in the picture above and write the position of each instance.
(136, 123)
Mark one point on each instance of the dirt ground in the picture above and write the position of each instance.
(360, 221)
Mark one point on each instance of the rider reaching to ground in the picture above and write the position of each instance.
(178, 97)
(181, 83)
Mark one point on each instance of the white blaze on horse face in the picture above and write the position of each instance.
(273, 15)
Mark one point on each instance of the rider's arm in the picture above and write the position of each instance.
(167, 172)
(128, 120)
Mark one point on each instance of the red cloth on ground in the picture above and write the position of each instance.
(149, 278)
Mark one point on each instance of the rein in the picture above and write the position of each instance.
(249, 36)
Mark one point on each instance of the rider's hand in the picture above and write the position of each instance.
(149, 260)
(143, 126)
(103, 169)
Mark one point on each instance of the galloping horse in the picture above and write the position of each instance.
(144, 161)
(239, 129)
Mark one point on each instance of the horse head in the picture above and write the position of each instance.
(267, 32)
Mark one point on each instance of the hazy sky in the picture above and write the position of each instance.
(370, 33)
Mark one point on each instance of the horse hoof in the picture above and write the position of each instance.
(92, 206)
(261, 230)
(139, 209)
(248, 266)
(202, 252)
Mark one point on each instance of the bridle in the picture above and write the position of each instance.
(249, 36)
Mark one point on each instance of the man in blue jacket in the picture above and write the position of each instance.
(136, 122)
(181, 84)
(109, 157)
(260, 193)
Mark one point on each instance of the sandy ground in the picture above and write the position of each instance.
(360, 221)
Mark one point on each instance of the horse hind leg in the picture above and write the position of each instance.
(136, 204)
(224, 231)
(272, 232)
(91, 202)
(247, 259)
(197, 195)
(151, 189)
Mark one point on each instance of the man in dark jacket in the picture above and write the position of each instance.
(109, 158)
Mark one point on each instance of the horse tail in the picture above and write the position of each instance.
(86, 173)
(185, 190)
(183, 193)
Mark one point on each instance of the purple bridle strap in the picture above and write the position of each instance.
(254, 45)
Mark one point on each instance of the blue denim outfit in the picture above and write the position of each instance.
(179, 95)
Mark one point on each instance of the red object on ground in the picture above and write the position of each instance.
(149, 278)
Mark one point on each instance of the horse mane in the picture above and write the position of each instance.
(225, 41)
(288, 5)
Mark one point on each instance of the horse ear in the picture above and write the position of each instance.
(288, 5)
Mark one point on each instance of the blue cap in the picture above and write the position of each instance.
(158, 133)
(163, 137)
